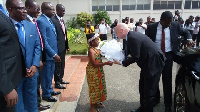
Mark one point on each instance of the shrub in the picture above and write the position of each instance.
(101, 14)
(72, 23)
(83, 17)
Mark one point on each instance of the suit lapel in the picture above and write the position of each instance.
(49, 24)
(58, 22)
(154, 31)
(171, 30)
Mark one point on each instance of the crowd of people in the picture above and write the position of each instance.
(32, 52)
(153, 46)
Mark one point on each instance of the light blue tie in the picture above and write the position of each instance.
(2, 9)
(20, 34)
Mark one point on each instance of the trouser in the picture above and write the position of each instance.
(27, 94)
(3, 106)
(46, 78)
(198, 39)
(38, 88)
(194, 37)
(59, 68)
(148, 85)
(167, 80)
(103, 37)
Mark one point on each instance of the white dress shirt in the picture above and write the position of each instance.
(168, 45)
(140, 29)
(103, 28)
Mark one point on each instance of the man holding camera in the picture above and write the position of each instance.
(140, 27)
(88, 28)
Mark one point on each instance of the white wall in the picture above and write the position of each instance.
(73, 7)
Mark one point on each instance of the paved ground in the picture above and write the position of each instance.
(122, 88)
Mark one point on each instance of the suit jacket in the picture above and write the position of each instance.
(43, 52)
(50, 37)
(32, 49)
(144, 52)
(11, 58)
(62, 43)
(175, 32)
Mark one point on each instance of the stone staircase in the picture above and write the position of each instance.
(75, 71)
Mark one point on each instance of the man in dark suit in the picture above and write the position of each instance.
(30, 45)
(33, 10)
(11, 64)
(148, 57)
(48, 31)
(62, 46)
(165, 34)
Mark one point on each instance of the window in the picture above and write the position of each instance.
(195, 4)
(178, 4)
(94, 8)
(187, 4)
(167, 4)
(156, 5)
(125, 7)
(115, 7)
(163, 5)
(132, 7)
(108, 5)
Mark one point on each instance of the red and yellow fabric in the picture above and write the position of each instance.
(96, 81)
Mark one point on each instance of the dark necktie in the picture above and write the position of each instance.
(163, 41)
(20, 34)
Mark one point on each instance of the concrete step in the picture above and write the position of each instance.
(75, 74)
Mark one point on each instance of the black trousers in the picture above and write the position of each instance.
(148, 85)
(198, 39)
(167, 80)
(103, 37)
(59, 68)
(38, 88)
(3, 107)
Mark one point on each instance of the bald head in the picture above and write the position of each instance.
(48, 9)
(60, 10)
(122, 30)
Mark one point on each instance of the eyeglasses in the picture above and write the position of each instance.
(20, 8)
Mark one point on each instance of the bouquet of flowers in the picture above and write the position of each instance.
(111, 50)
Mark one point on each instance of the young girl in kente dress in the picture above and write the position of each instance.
(95, 74)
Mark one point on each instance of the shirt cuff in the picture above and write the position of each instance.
(54, 55)
(189, 39)
(121, 63)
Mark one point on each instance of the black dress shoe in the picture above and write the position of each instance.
(42, 107)
(137, 110)
(49, 99)
(63, 82)
(59, 86)
(168, 109)
(55, 93)
(156, 102)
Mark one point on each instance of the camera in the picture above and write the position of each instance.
(138, 23)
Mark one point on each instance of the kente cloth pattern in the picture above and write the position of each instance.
(96, 81)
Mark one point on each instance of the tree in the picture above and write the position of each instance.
(83, 17)
(101, 14)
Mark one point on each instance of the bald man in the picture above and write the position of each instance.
(62, 46)
(47, 28)
(149, 58)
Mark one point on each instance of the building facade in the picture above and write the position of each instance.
(118, 9)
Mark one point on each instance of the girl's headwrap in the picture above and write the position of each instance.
(93, 37)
